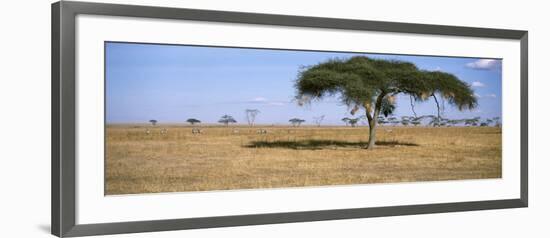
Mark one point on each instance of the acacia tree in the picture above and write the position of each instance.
(251, 115)
(226, 119)
(193, 121)
(296, 121)
(318, 120)
(435, 121)
(405, 120)
(382, 120)
(416, 120)
(346, 120)
(372, 84)
(454, 122)
(153, 122)
(472, 122)
(393, 121)
(497, 121)
(353, 122)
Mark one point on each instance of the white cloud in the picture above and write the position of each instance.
(276, 103)
(478, 84)
(265, 101)
(484, 64)
(490, 95)
(259, 99)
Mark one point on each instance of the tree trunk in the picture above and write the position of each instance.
(373, 121)
(372, 133)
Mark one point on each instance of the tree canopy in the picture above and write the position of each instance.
(372, 84)
(193, 121)
(226, 119)
(296, 121)
(251, 115)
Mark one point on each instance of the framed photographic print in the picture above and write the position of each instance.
(167, 119)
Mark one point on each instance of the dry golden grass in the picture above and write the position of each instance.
(289, 157)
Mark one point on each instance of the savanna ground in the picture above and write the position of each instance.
(220, 159)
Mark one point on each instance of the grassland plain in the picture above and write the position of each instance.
(238, 157)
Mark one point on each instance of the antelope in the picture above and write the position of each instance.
(261, 131)
(164, 131)
(147, 131)
(235, 131)
(196, 131)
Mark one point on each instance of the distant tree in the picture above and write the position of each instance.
(472, 122)
(497, 121)
(435, 121)
(353, 121)
(251, 116)
(416, 123)
(393, 121)
(346, 120)
(405, 120)
(318, 120)
(153, 122)
(443, 121)
(382, 120)
(454, 122)
(296, 121)
(416, 120)
(226, 119)
(193, 121)
(488, 122)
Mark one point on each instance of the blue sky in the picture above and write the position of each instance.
(171, 83)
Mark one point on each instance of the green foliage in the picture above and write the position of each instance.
(353, 121)
(393, 120)
(296, 121)
(472, 122)
(373, 84)
(346, 120)
(226, 119)
(387, 107)
(405, 120)
(193, 121)
(360, 81)
(382, 120)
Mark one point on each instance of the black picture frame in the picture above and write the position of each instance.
(63, 118)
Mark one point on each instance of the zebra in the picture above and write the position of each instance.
(163, 131)
(196, 131)
(261, 131)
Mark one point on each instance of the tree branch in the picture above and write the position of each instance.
(438, 113)
(369, 116)
(412, 105)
